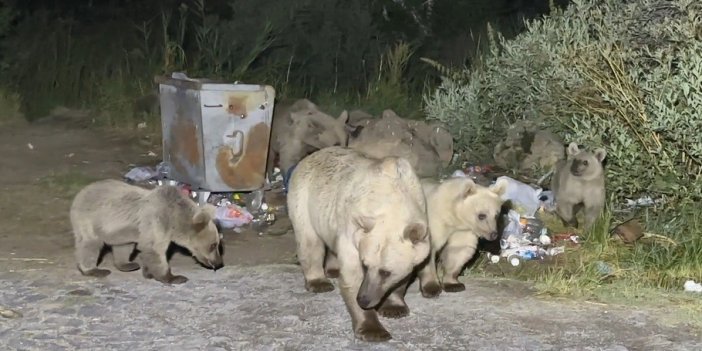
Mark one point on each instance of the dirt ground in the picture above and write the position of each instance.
(258, 300)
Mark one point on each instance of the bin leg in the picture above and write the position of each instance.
(202, 197)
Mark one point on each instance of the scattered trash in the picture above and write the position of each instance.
(477, 173)
(30, 146)
(493, 258)
(527, 238)
(692, 286)
(568, 237)
(141, 174)
(524, 197)
(458, 174)
(233, 216)
(524, 253)
(479, 169)
(141, 125)
(643, 202)
(603, 268)
(547, 202)
(70, 155)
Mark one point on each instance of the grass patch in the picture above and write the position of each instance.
(65, 184)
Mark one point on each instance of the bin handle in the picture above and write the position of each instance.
(240, 151)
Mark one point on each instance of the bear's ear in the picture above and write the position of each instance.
(389, 114)
(573, 149)
(343, 118)
(303, 104)
(365, 223)
(600, 154)
(467, 187)
(200, 220)
(415, 233)
(395, 167)
(500, 186)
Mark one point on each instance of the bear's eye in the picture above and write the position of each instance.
(585, 163)
(383, 273)
(213, 247)
(482, 216)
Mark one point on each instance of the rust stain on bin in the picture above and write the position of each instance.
(237, 105)
(184, 136)
(247, 171)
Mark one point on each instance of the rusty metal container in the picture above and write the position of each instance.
(215, 135)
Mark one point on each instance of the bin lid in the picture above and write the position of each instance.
(181, 80)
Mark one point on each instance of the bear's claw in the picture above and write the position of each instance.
(319, 286)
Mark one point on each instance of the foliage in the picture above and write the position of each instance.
(104, 57)
(623, 75)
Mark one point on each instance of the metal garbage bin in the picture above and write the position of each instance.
(215, 135)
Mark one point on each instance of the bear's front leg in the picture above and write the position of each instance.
(331, 265)
(593, 210)
(155, 265)
(566, 212)
(365, 323)
(121, 255)
(394, 305)
(428, 278)
(460, 248)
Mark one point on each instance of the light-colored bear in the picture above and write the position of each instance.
(579, 180)
(300, 128)
(371, 215)
(459, 213)
(111, 212)
(427, 147)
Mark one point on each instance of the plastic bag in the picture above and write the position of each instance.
(140, 174)
(523, 196)
(232, 215)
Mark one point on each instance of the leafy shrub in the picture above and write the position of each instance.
(626, 75)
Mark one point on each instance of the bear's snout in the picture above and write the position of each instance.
(217, 263)
(364, 301)
(369, 293)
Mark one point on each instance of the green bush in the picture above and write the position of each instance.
(623, 75)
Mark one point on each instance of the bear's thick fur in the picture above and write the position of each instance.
(300, 128)
(460, 212)
(371, 215)
(579, 180)
(111, 212)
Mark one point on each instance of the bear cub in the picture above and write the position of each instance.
(579, 181)
(123, 216)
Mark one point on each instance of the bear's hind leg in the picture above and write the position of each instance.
(310, 252)
(87, 254)
(121, 255)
